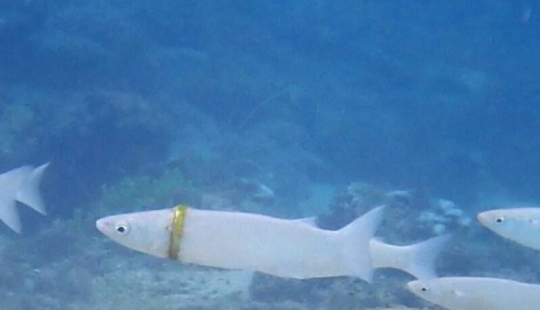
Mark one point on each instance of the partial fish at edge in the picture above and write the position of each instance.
(9, 184)
(28, 192)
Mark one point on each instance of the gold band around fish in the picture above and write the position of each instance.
(176, 231)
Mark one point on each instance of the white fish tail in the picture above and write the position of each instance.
(416, 259)
(9, 215)
(10, 182)
(28, 192)
(356, 237)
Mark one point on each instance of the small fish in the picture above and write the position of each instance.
(470, 293)
(20, 184)
(280, 247)
(521, 225)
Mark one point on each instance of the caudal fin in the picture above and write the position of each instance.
(416, 259)
(9, 184)
(28, 192)
(9, 215)
(356, 237)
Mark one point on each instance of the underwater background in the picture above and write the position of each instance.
(286, 108)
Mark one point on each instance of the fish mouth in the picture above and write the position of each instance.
(101, 225)
(482, 217)
(479, 217)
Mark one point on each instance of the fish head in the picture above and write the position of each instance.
(445, 292)
(473, 293)
(148, 232)
(521, 225)
(425, 289)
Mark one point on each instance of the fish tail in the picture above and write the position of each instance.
(10, 182)
(357, 235)
(28, 192)
(419, 259)
(9, 215)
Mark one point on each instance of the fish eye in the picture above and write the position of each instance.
(499, 220)
(122, 228)
(424, 289)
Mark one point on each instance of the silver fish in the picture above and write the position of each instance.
(521, 225)
(470, 293)
(280, 247)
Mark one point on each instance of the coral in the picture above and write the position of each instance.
(409, 216)
(444, 216)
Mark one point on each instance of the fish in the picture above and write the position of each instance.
(235, 240)
(22, 185)
(521, 225)
(476, 293)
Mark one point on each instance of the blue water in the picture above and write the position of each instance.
(300, 97)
